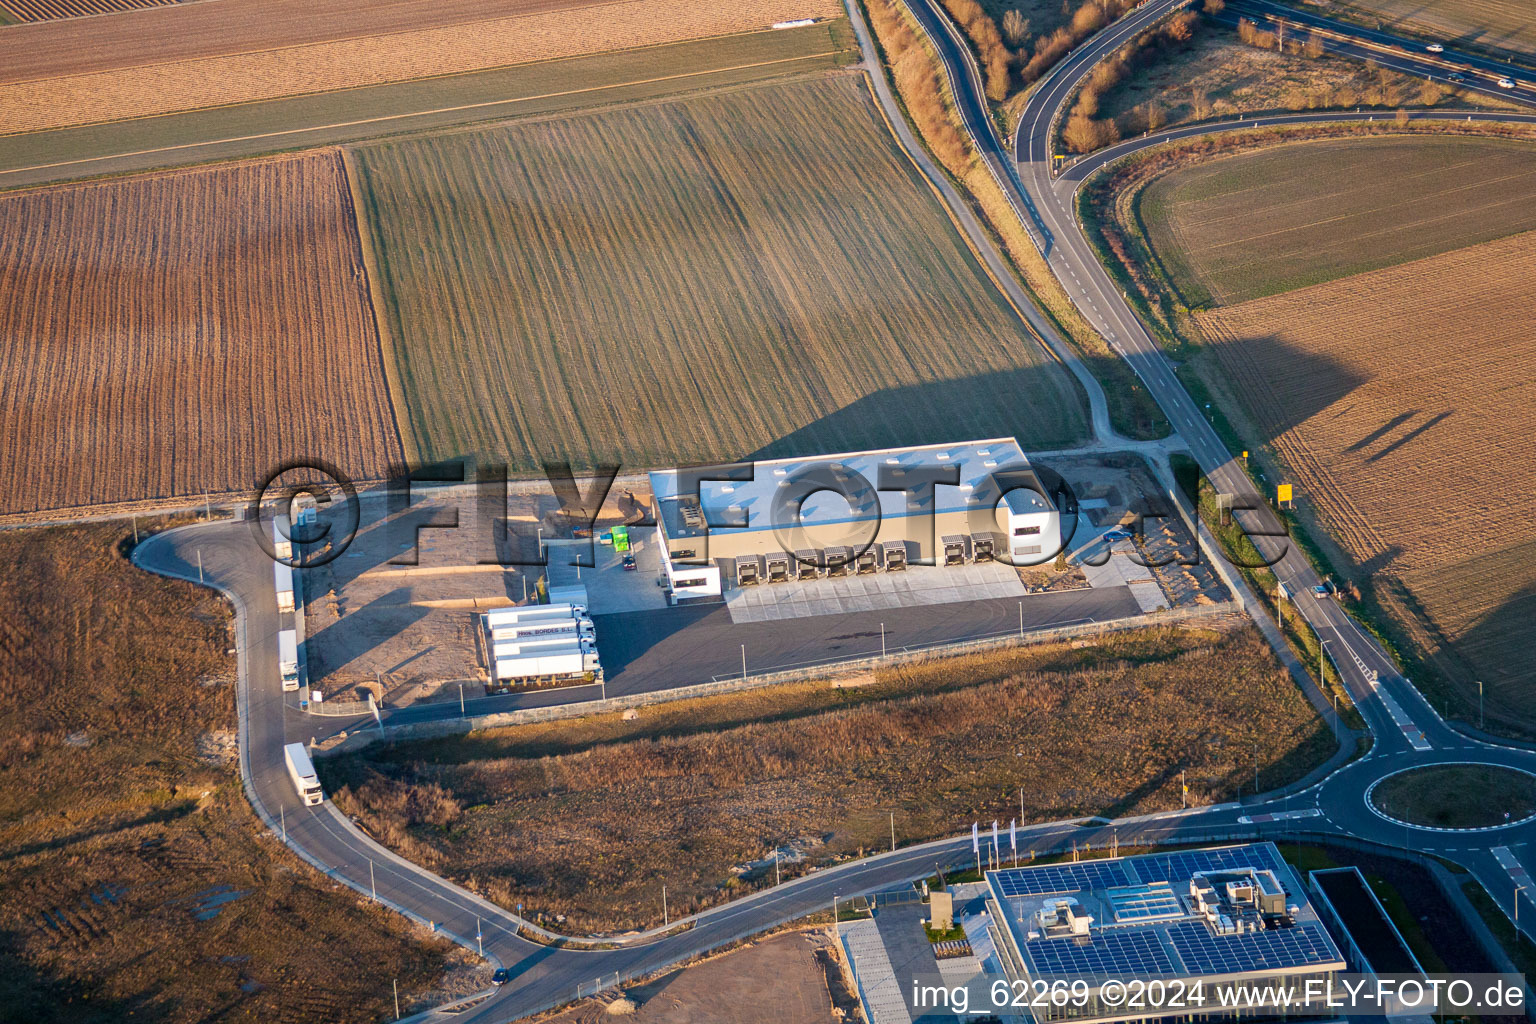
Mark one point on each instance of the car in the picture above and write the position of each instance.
(1321, 590)
(501, 976)
(1435, 48)
(1456, 76)
(629, 563)
(1110, 536)
(1505, 83)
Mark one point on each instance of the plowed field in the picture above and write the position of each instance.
(48, 10)
(756, 271)
(288, 70)
(1402, 400)
(174, 334)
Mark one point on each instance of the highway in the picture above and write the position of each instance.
(1406, 730)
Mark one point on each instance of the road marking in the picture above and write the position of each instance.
(1260, 819)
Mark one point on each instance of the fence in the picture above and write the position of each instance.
(898, 656)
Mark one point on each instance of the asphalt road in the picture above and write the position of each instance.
(1407, 731)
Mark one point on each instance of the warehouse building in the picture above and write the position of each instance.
(850, 513)
(1217, 918)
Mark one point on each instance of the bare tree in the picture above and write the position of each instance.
(1215, 6)
(1016, 28)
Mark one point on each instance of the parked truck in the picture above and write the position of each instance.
(544, 664)
(524, 614)
(537, 630)
(302, 772)
(288, 658)
(283, 575)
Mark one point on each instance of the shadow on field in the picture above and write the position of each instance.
(1283, 384)
(958, 409)
(1496, 650)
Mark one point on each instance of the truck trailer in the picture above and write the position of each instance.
(538, 630)
(302, 772)
(282, 574)
(524, 614)
(282, 542)
(541, 665)
(288, 658)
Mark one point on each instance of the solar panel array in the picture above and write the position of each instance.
(1133, 953)
(1164, 867)
(1052, 878)
(1206, 953)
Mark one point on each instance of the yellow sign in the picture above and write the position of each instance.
(1245, 455)
(1283, 493)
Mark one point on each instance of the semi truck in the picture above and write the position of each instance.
(543, 664)
(288, 658)
(302, 772)
(539, 630)
(283, 575)
(523, 614)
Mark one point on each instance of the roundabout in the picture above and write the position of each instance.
(1455, 796)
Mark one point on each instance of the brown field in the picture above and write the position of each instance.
(123, 824)
(1400, 401)
(48, 10)
(1495, 24)
(589, 819)
(370, 60)
(175, 334)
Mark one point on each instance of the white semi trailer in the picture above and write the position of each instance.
(581, 628)
(282, 534)
(543, 664)
(288, 658)
(302, 772)
(532, 613)
(283, 575)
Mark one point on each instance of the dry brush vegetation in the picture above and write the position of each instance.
(123, 827)
(693, 280)
(177, 334)
(369, 60)
(589, 819)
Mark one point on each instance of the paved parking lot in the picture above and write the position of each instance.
(917, 585)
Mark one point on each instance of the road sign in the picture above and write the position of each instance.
(1283, 494)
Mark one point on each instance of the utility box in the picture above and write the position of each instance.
(807, 564)
(983, 547)
(839, 559)
(748, 571)
(954, 549)
(776, 569)
(895, 552)
(941, 911)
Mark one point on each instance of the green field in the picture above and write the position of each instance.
(1457, 796)
(759, 271)
(1293, 215)
(250, 129)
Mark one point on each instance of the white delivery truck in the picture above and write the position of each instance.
(303, 774)
(283, 575)
(288, 658)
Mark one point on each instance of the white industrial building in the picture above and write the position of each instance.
(852, 512)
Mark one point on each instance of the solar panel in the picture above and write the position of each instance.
(1053, 878)
(1144, 903)
(1129, 954)
(1205, 952)
(1162, 867)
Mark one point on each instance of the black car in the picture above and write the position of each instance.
(629, 563)
(501, 977)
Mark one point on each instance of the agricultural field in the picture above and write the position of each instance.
(172, 335)
(1413, 461)
(350, 115)
(48, 10)
(692, 280)
(1289, 216)
(1486, 24)
(71, 97)
(589, 819)
(135, 882)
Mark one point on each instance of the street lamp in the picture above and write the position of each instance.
(1479, 703)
